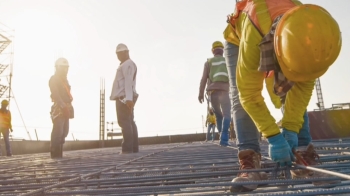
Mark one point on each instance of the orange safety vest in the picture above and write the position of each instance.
(5, 119)
(274, 9)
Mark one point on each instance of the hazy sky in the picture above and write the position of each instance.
(169, 40)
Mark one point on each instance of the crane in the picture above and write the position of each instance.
(320, 103)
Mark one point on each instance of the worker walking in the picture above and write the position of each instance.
(125, 96)
(288, 45)
(62, 109)
(215, 77)
(6, 126)
(211, 124)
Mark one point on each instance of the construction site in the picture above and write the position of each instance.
(167, 165)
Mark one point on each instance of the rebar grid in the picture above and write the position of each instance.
(201, 168)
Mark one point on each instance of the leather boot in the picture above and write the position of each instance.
(54, 153)
(248, 159)
(61, 151)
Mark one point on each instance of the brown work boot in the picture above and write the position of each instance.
(310, 156)
(248, 159)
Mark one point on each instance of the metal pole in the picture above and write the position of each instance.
(73, 137)
(37, 139)
(203, 123)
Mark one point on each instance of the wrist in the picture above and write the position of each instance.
(275, 138)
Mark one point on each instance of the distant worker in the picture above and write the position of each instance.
(6, 126)
(288, 45)
(62, 109)
(215, 76)
(125, 96)
(211, 124)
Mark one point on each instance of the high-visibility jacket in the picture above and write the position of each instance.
(211, 119)
(218, 70)
(262, 21)
(251, 21)
(5, 119)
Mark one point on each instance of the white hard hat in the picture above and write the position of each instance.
(61, 62)
(122, 47)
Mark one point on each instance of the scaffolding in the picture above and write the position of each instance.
(6, 60)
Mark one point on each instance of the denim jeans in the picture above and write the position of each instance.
(247, 134)
(6, 135)
(304, 137)
(59, 131)
(126, 121)
(211, 127)
(220, 101)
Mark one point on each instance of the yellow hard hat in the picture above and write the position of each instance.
(217, 44)
(307, 41)
(4, 102)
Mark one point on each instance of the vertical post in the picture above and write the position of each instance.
(203, 123)
(37, 139)
(102, 112)
(73, 137)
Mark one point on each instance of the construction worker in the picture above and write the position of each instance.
(5, 125)
(215, 76)
(286, 44)
(211, 124)
(125, 96)
(62, 109)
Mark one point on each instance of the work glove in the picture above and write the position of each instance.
(280, 151)
(291, 137)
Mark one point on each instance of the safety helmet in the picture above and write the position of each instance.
(61, 62)
(4, 102)
(307, 41)
(217, 44)
(122, 47)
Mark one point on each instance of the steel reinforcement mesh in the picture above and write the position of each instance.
(199, 168)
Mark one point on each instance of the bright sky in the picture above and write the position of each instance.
(168, 40)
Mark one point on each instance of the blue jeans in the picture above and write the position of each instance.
(304, 137)
(247, 134)
(6, 135)
(59, 131)
(126, 121)
(211, 127)
(220, 101)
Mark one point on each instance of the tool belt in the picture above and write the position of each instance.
(57, 111)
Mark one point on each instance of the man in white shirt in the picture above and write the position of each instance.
(124, 93)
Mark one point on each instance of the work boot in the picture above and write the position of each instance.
(61, 151)
(55, 153)
(248, 159)
(309, 154)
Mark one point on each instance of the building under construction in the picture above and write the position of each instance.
(169, 166)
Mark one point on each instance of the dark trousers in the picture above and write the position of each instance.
(59, 131)
(6, 135)
(126, 121)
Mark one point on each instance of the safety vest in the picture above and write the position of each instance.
(211, 119)
(218, 70)
(5, 119)
(260, 12)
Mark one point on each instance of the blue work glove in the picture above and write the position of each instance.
(291, 137)
(279, 150)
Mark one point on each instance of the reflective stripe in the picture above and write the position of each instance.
(220, 74)
(218, 63)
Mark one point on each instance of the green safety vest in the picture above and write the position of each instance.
(218, 70)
